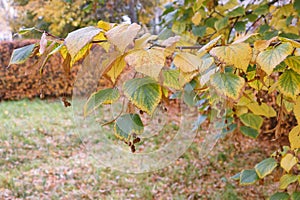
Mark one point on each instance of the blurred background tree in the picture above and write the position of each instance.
(63, 16)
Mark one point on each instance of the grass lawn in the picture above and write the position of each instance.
(42, 157)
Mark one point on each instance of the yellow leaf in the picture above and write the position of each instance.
(104, 25)
(261, 45)
(269, 59)
(116, 68)
(142, 42)
(288, 161)
(238, 55)
(122, 35)
(187, 62)
(297, 52)
(263, 109)
(196, 19)
(99, 37)
(242, 37)
(171, 41)
(185, 78)
(297, 110)
(294, 137)
(241, 110)
(149, 62)
(207, 47)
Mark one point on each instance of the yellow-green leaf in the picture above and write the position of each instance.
(294, 63)
(105, 96)
(286, 180)
(205, 64)
(171, 78)
(128, 124)
(144, 93)
(252, 120)
(265, 167)
(288, 161)
(187, 62)
(20, 55)
(116, 68)
(227, 84)
(78, 39)
(293, 42)
(289, 83)
(294, 137)
(296, 109)
(238, 55)
(269, 59)
(263, 109)
(149, 62)
(122, 35)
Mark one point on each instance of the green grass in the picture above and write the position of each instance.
(42, 156)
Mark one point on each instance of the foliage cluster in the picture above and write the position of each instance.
(249, 52)
(60, 17)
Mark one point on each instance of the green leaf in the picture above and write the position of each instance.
(252, 120)
(123, 35)
(171, 78)
(20, 55)
(238, 54)
(294, 63)
(269, 59)
(248, 177)
(286, 180)
(297, 6)
(149, 62)
(263, 109)
(294, 137)
(261, 10)
(227, 84)
(236, 177)
(289, 83)
(78, 39)
(144, 93)
(265, 167)
(288, 161)
(280, 196)
(295, 195)
(199, 30)
(248, 131)
(106, 96)
(221, 23)
(239, 11)
(240, 26)
(128, 124)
